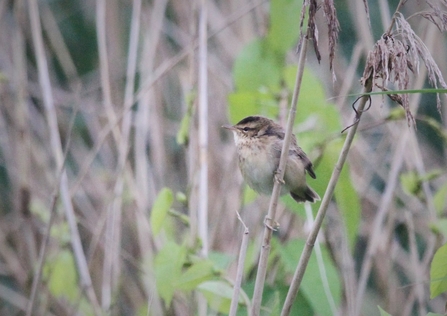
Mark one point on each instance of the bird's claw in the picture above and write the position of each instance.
(278, 179)
(273, 227)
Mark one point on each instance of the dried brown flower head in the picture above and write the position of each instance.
(397, 53)
(312, 30)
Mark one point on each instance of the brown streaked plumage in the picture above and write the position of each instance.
(259, 142)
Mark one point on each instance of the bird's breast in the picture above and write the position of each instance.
(257, 164)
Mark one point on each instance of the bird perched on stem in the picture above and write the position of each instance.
(259, 142)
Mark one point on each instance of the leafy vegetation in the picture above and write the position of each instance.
(99, 183)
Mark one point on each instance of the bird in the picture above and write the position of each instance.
(259, 142)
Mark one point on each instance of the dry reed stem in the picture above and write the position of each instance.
(240, 269)
(387, 196)
(203, 129)
(55, 141)
(112, 233)
(305, 256)
(265, 250)
(202, 210)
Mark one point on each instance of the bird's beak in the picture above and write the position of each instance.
(230, 127)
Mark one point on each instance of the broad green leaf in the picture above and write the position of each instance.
(345, 195)
(249, 195)
(194, 275)
(251, 257)
(61, 233)
(312, 284)
(62, 276)
(246, 103)
(160, 209)
(218, 294)
(221, 260)
(398, 113)
(168, 269)
(440, 199)
(257, 66)
(284, 20)
(382, 312)
(321, 117)
(274, 303)
(440, 226)
(411, 183)
(438, 272)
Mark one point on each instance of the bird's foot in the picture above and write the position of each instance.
(278, 179)
(271, 224)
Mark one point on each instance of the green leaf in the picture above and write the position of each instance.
(257, 66)
(160, 209)
(194, 275)
(398, 113)
(249, 195)
(283, 31)
(183, 132)
(321, 118)
(246, 103)
(218, 294)
(345, 195)
(312, 284)
(62, 276)
(438, 272)
(440, 199)
(440, 226)
(168, 269)
(221, 260)
(411, 183)
(382, 312)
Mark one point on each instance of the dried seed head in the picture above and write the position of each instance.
(417, 50)
(389, 62)
(312, 30)
(438, 17)
(394, 55)
(333, 28)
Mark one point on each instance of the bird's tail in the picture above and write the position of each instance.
(308, 195)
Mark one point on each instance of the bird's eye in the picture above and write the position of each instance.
(246, 129)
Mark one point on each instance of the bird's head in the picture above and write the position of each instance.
(252, 126)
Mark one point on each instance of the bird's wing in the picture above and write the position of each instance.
(306, 161)
(296, 151)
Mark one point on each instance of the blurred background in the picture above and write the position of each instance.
(99, 151)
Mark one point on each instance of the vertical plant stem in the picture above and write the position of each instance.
(240, 269)
(203, 130)
(42, 254)
(305, 256)
(265, 250)
(55, 144)
(320, 261)
(144, 168)
(391, 182)
(114, 222)
(202, 216)
(111, 247)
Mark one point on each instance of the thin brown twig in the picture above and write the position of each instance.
(240, 269)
